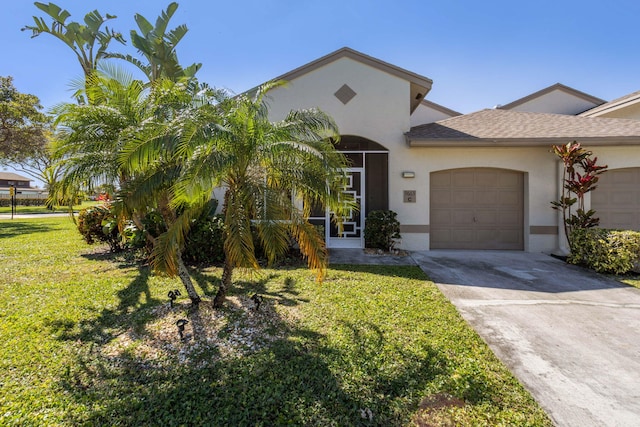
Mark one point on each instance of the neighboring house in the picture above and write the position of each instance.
(21, 184)
(483, 180)
(626, 107)
(557, 98)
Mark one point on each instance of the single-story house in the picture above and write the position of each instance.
(483, 180)
(20, 183)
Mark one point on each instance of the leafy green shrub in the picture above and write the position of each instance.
(381, 230)
(205, 241)
(605, 251)
(98, 224)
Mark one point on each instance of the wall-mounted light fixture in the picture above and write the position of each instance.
(408, 174)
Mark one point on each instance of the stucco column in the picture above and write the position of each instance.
(563, 243)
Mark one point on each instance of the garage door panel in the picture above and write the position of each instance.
(510, 198)
(461, 179)
(443, 217)
(599, 197)
(617, 199)
(624, 198)
(485, 197)
(510, 179)
(462, 217)
(484, 211)
(486, 217)
(441, 180)
(441, 197)
(623, 176)
(622, 217)
(462, 197)
(486, 179)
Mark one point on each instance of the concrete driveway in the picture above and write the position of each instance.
(571, 336)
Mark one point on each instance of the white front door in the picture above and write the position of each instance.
(353, 224)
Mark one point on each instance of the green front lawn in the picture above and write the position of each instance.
(90, 339)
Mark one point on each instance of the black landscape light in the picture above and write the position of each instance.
(173, 295)
(257, 300)
(181, 323)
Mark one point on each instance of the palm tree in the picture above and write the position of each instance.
(91, 135)
(158, 47)
(150, 157)
(89, 42)
(273, 174)
(98, 136)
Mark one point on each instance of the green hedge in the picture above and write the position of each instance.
(23, 202)
(605, 250)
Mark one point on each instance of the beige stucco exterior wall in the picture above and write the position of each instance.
(379, 111)
(616, 157)
(540, 171)
(425, 114)
(557, 102)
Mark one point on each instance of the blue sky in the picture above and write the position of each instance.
(478, 54)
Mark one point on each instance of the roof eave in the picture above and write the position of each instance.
(519, 142)
(610, 107)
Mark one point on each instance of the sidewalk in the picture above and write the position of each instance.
(28, 216)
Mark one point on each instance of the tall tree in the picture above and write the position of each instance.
(152, 160)
(91, 135)
(89, 41)
(39, 164)
(273, 173)
(97, 136)
(22, 124)
(158, 47)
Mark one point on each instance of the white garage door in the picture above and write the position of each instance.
(478, 208)
(617, 199)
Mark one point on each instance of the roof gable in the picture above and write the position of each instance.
(429, 112)
(623, 102)
(419, 85)
(574, 101)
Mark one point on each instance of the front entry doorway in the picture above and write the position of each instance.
(368, 182)
(352, 226)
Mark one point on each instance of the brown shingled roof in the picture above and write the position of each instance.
(10, 176)
(515, 128)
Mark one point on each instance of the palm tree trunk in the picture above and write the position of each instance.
(183, 273)
(227, 271)
(225, 284)
(169, 216)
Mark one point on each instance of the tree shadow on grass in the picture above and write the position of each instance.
(134, 300)
(208, 283)
(286, 294)
(299, 379)
(12, 228)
